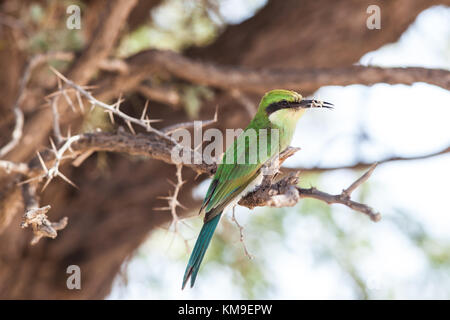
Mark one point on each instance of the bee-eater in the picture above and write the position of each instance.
(278, 110)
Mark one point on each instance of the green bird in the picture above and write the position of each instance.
(278, 112)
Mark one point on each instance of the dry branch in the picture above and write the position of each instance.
(112, 20)
(12, 167)
(163, 94)
(109, 23)
(36, 217)
(172, 198)
(275, 191)
(260, 81)
(365, 165)
(144, 121)
(18, 114)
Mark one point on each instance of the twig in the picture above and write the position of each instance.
(53, 171)
(340, 198)
(19, 118)
(173, 202)
(37, 218)
(347, 192)
(286, 193)
(56, 125)
(143, 121)
(365, 165)
(161, 94)
(241, 235)
(12, 167)
(113, 109)
(113, 65)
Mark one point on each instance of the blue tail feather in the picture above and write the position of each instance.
(200, 247)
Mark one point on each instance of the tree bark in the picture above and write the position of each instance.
(314, 33)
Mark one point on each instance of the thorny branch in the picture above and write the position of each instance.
(279, 189)
(18, 114)
(36, 215)
(172, 199)
(144, 121)
(241, 235)
(274, 193)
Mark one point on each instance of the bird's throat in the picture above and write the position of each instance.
(285, 121)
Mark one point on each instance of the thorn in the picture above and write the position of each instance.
(119, 101)
(181, 206)
(199, 173)
(130, 126)
(55, 151)
(67, 180)
(80, 102)
(51, 95)
(42, 162)
(111, 116)
(147, 119)
(31, 179)
(46, 184)
(173, 184)
(69, 101)
(216, 114)
(145, 110)
(59, 74)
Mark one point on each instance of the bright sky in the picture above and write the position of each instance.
(399, 120)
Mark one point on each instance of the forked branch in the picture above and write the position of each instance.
(158, 144)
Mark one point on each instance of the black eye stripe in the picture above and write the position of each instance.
(271, 108)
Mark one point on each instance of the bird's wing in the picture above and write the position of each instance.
(227, 191)
(231, 178)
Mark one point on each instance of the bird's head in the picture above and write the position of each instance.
(284, 106)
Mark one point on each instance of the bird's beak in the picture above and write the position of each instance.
(313, 104)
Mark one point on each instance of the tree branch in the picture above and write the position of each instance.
(262, 80)
(36, 217)
(280, 193)
(277, 190)
(274, 191)
(364, 165)
(112, 20)
(18, 127)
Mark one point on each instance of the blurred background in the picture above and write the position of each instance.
(128, 250)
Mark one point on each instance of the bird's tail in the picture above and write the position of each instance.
(199, 250)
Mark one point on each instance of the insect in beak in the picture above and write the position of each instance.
(314, 104)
